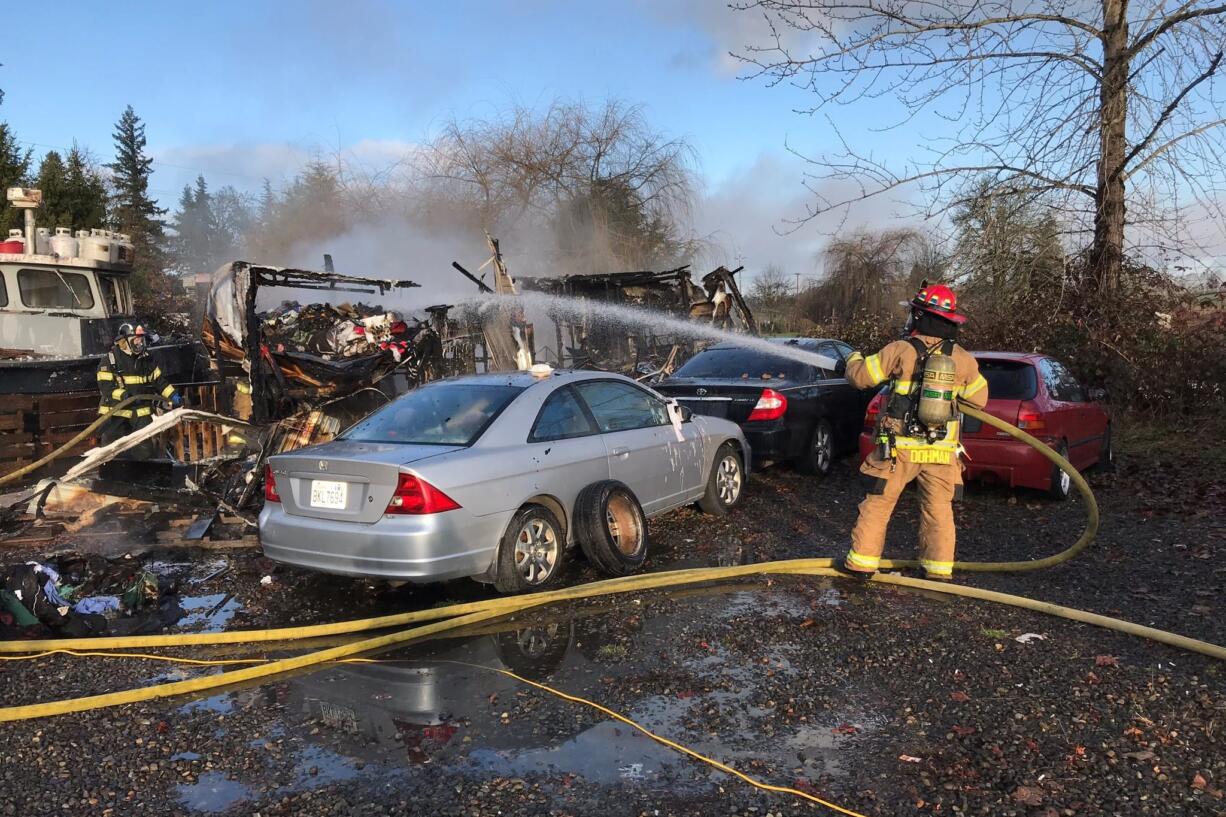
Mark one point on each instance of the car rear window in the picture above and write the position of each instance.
(436, 414)
(1009, 379)
(740, 363)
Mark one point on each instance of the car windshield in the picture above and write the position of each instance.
(436, 414)
(738, 363)
(1009, 379)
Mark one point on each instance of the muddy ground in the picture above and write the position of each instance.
(885, 702)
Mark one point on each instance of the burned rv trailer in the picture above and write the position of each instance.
(279, 361)
(595, 340)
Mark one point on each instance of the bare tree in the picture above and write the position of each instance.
(1079, 101)
(773, 299)
(602, 172)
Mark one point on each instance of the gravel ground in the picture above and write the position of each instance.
(886, 702)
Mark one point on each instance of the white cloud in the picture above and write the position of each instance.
(728, 33)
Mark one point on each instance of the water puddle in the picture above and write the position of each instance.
(208, 613)
(609, 754)
(221, 704)
(317, 766)
(438, 704)
(213, 792)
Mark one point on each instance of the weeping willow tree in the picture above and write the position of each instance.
(870, 272)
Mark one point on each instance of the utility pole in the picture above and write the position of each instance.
(798, 285)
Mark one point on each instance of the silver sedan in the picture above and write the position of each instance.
(496, 477)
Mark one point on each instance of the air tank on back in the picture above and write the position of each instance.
(63, 245)
(95, 246)
(936, 403)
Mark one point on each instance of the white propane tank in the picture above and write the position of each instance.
(121, 249)
(63, 244)
(42, 240)
(96, 246)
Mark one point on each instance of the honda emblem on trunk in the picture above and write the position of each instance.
(702, 392)
(323, 465)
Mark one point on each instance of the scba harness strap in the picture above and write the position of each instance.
(903, 406)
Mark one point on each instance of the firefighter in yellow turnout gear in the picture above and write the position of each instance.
(917, 433)
(127, 370)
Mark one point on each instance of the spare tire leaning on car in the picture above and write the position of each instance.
(611, 527)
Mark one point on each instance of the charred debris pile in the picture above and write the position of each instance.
(590, 342)
(263, 381)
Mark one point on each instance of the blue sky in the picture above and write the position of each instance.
(243, 90)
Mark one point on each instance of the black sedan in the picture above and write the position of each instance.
(789, 411)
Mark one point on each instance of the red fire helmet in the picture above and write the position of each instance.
(940, 300)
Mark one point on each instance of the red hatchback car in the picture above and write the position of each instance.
(1038, 394)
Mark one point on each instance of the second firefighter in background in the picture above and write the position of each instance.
(126, 371)
(917, 439)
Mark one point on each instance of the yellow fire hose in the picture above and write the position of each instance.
(460, 615)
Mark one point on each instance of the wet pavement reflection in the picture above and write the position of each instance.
(440, 706)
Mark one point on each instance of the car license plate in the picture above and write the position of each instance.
(329, 494)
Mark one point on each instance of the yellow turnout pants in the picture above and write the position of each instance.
(885, 481)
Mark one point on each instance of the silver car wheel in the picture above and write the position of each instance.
(1066, 482)
(536, 551)
(728, 480)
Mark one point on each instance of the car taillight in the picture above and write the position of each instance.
(416, 496)
(873, 412)
(771, 405)
(270, 486)
(1030, 418)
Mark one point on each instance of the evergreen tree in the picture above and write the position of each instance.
(74, 195)
(209, 227)
(52, 179)
(85, 192)
(134, 212)
(195, 228)
(14, 172)
(312, 209)
(235, 217)
(268, 206)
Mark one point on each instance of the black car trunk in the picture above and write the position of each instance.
(731, 398)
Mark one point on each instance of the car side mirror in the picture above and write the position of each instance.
(687, 413)
(1098, 395)
(840, 367)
